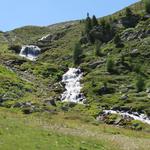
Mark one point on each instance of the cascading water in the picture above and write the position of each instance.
(71, 79)
(30, 52)
(141, 117)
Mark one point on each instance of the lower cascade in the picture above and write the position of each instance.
(136, 116)
(71, 79)
(30, 52)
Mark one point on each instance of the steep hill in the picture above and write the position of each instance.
(117, 77)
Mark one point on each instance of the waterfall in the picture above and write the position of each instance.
(136, 116)
(30, 52)
(71, 79)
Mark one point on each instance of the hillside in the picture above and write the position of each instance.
(116, 75)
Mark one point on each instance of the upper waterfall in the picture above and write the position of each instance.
(30, 52)
(71, 79)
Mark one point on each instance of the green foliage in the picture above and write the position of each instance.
(88, 24)
(128, 12)
(147, 5)
(94, 21)
(77, 53)
(140, 84)
(110, 65)
(117, 41)
(98, 48)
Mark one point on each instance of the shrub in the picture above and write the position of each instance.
(128, 12)
(140, 84)
(77, 53)
(110, 65)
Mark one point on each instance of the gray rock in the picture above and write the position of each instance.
(148, 90)
(134, 52)
(124, 97)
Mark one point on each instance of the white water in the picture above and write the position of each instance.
(141, 117)
(30, 52)
(71, 79)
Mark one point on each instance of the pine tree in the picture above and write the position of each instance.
(88, 24)
(94, 21)
(77, 53)
(98, 48)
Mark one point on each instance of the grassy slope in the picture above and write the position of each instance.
(62, 132)
(51, 64)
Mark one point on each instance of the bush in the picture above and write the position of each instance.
(15, 48)
(110, 65)
(140, 84)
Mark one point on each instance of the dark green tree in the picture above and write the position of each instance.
(98, 48)
(110, 65)
(140, 84)
(117, 41)
(147, 5)
(88, 24)
(77, 53)
(94, 21)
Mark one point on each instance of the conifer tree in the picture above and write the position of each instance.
(98, 48)
(77, 53)
(88, 24)
(94, 21)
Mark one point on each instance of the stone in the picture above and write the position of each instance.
(134, 53)
(124, 97)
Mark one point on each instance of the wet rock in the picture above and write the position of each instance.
(30, 52)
